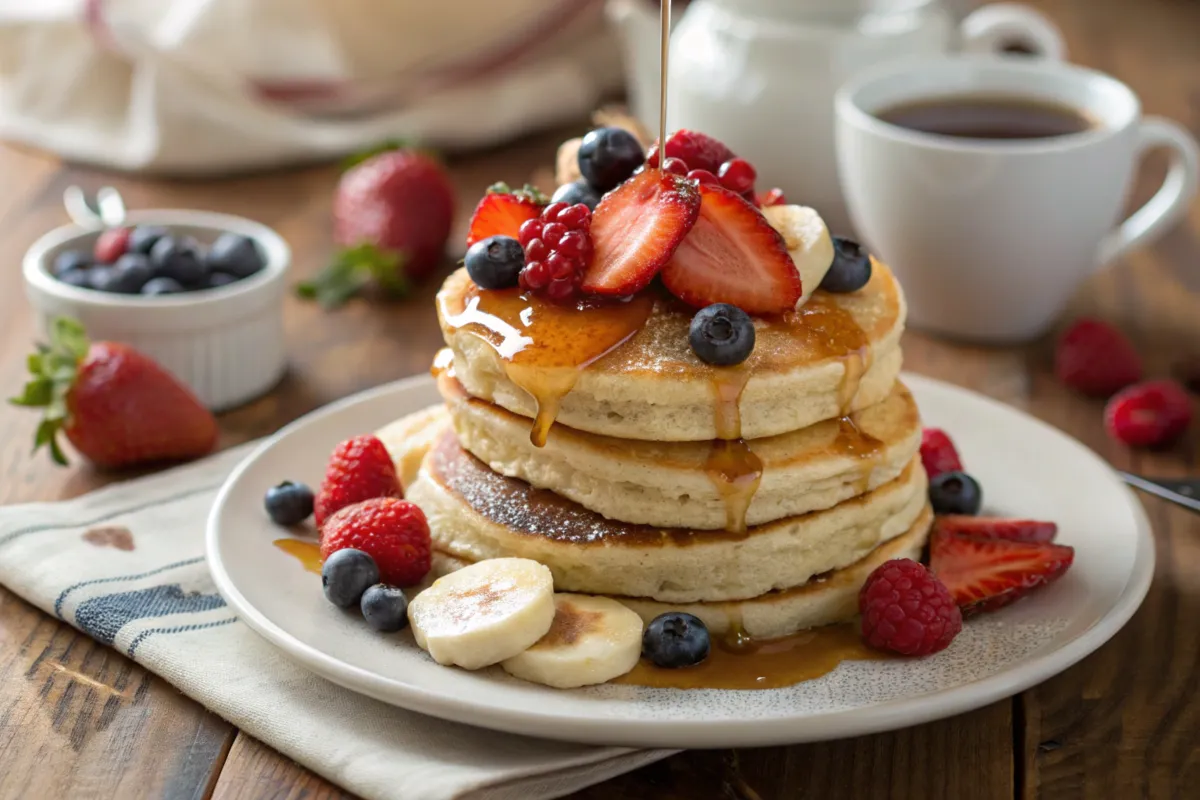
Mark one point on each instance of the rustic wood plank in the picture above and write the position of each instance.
(254, 771)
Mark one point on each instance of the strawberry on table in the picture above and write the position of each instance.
(391, 215)
(392, 531)
(115, 405)
(502, 211)
(986, 574)
(636, 229)
(734, 256)
(359, 469)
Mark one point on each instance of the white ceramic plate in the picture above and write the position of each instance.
(1026, 467)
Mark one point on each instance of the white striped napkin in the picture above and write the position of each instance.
(126, 566)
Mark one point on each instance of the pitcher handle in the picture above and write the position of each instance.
(998, 25)
(1171, 200)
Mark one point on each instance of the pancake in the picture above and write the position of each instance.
(824, 600)
(410, 437)
(668, 483)
(475, 514)
(626, 370)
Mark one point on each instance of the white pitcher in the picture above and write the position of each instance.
(761, 74)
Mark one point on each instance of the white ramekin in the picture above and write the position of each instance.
(227, 344)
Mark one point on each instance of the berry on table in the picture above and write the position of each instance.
(675, 640)
(160, 286)
(986, 574)
(697, 150)
(938, 454)
(288, 503)
(392, 531)
(143, 237)
(608, 156)
(346, 574)
(955, 493)
(1150, 414)
(495, 262)
(737, 175)
(178, 257)
(385, 608)
(359, 469)
(557, 246)
(70, 260)
(851, 268)
(111, 245)
(1095, 358)
(905, 609)
(236, 255)
(579, 191)
(722, 335)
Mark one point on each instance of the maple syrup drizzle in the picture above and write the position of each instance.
(831, 331)
(306, 552)
(732, 466)
(853, 441)
(546, 346)
(745, 663)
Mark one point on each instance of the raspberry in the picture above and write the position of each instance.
(938, 454)
(675, 166)
(1151, 414)
(697, 150)
(558, 246)
(359, 469)
(392, 531)
(111, 245)
(1096, 358)
(737, 175)
(907, 610)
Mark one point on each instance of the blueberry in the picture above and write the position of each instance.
(178, 257)
(288, 503)
(577, 192)
(955, 493)
(385, 608)
(160, 286)
(235, 254)
(127, 276)
(143, 237)
(675, 640)
(851, 268)
(69, 260)
(495, 262)
(346, 574)
(218, 279)
(76, 277)
(608, 156)
(722, 335)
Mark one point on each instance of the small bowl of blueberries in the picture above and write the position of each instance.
(199, 292)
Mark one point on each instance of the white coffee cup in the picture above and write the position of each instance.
(991, 237)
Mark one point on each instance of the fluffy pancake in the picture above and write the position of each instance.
(825, 599)
(666, 483)
(837, 354)
(475, 514)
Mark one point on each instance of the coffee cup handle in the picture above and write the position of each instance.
(996, 26)
(1171, 200)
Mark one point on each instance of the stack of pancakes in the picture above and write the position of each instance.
(644, 488)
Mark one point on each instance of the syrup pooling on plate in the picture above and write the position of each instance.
(307, 553)
(545, 346)
(732, 466)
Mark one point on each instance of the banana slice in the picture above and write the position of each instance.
(484, 613)
(808, 243)
(592, 640)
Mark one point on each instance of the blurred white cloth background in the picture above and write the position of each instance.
(210, 86)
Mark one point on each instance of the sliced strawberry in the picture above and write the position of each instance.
(733, 255)
(635, 231)
(986, 574)
(1013, 530)
(501, 214)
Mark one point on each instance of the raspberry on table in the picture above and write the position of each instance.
(1151, 414)
(558, 246)
(1096, 358)
(907, 610)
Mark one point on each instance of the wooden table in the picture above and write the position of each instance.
(1124, 723)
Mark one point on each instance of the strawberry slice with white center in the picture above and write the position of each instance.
(733, 255)
(635, 230)
(986, 574)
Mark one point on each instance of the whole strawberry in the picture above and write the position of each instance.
(394, 532)
(392, 215)
(115, 405)
(359, 469)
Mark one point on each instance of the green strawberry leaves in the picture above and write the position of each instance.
(386, 146)
(527, 192)
(52, 371)
(351, 271)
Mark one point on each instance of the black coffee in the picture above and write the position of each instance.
(983, 117)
